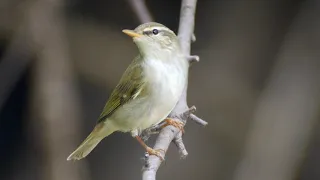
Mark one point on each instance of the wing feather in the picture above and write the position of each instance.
(131, 86)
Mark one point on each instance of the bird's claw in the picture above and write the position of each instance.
(174, 123)
(156, 152)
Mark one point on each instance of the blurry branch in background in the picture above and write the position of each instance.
(181, 112)
(55, 103)
(14, 63)
(289, 106)
(140, 9)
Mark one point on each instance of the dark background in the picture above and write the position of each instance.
(257, 85)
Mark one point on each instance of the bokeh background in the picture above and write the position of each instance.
(257, 84)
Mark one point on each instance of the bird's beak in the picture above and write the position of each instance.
(131, 33)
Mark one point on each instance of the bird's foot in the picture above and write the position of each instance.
(150, 151)
(156, 152)
(174, 123)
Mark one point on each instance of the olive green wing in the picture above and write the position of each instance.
(130, 87)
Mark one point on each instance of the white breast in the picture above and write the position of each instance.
(167, 81)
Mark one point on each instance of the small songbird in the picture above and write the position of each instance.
(148, 90)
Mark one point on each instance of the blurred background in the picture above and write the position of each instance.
(257, 84)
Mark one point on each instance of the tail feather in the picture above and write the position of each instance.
(99, 132)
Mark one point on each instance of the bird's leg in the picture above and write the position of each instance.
(174, 123)
(150, 151)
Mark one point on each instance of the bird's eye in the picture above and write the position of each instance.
(155, 31)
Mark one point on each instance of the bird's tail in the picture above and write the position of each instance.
(101, 131)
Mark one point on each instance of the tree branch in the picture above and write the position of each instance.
(140, 9)
(55, 101)
(14, 62)
(288, 110)
(181, 112)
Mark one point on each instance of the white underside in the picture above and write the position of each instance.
(167, 81)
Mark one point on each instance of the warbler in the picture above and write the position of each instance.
(148, 90)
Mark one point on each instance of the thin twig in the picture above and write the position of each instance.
(193, 38)
(179, 143)
(193, 59)
(198, 120)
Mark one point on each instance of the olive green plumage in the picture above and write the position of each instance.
(130, 86)
(147, 91)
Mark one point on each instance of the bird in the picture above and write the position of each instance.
(147, 92)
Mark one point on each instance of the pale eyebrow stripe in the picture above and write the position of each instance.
(156, 27)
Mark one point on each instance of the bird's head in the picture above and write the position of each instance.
(154, 37)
